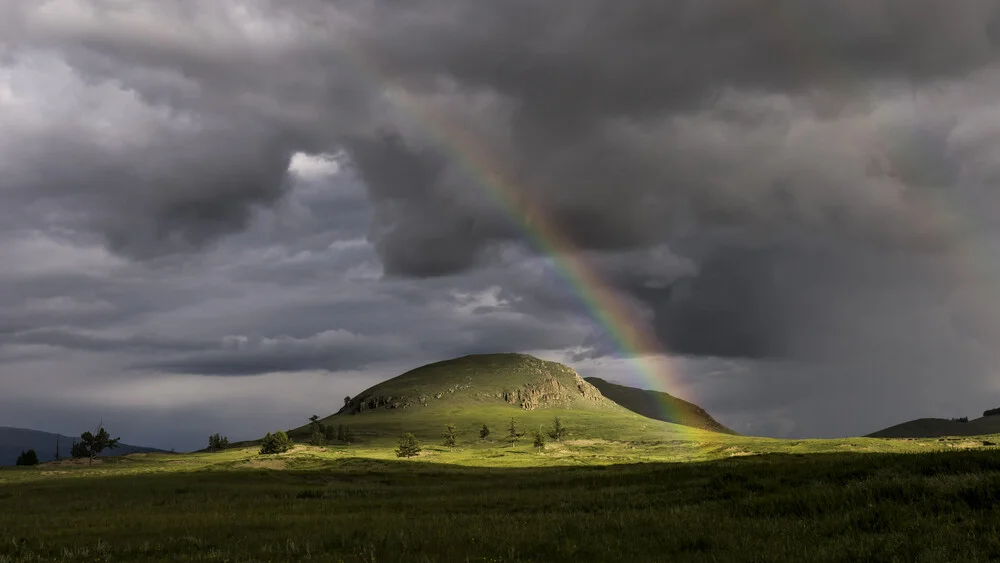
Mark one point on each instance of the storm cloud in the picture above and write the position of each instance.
(803, 192)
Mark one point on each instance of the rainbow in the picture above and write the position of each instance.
(633, 337)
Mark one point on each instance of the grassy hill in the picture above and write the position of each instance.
(938, 427)
(492, 389)
(658, 405)
(13, 441)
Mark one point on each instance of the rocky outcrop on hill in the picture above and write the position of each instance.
(550, 392)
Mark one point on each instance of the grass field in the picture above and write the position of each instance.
(620, 487)
(582, 501)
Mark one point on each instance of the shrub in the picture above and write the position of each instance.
(276, 443)
(484, 432)
(408, 446)
(27, 458)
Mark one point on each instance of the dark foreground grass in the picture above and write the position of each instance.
(833, 507)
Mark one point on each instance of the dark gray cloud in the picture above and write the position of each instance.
(802, 192)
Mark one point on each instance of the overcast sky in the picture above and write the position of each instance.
(225, 216)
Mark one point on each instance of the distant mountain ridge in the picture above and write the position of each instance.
(658, 405)
(938, 427)
(13, 441)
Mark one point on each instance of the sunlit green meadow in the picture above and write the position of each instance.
(708, 497)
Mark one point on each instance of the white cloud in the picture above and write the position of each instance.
(314, 166)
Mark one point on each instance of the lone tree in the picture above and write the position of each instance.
(218, 442)
(27, 458)
(77, 451)
(512, 435)
(558, 430)
(277, 443)
(539, 440)
(408, 446)
(58, 457)
(316, 435)
(92, 444)
(484, 432)
(347, 400)
(449, 436)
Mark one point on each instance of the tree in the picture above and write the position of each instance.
(316, 436)
(77, 450)
(449, 436)
(347, 400)
(539, 440)
(348, 435)
(218, 442)
(329, 432)
(277, 443)
(558, 430)
(340, 433)
(408, 446)
(512, 434)
(484, 432)
(27, 458)
(92, 444)
(58, 457)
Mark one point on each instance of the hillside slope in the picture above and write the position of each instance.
(492, 389)
(15, 440)
(658, 405)
(937, 427)
(516, 380)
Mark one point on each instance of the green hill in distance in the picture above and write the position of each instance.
(491, 389)
(658, 405)
(939, 427)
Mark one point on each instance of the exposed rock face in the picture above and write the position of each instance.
(550, 392)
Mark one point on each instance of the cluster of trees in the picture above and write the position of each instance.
(29, 457)
(322, 434)
(217, 442)
(409, 446)
(961, 419)
(992, 412)
(91, 445)
(319, 435)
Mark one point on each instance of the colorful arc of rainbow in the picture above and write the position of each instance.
(632, 336)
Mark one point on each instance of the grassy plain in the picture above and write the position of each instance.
(620, 487)
(585, 500)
